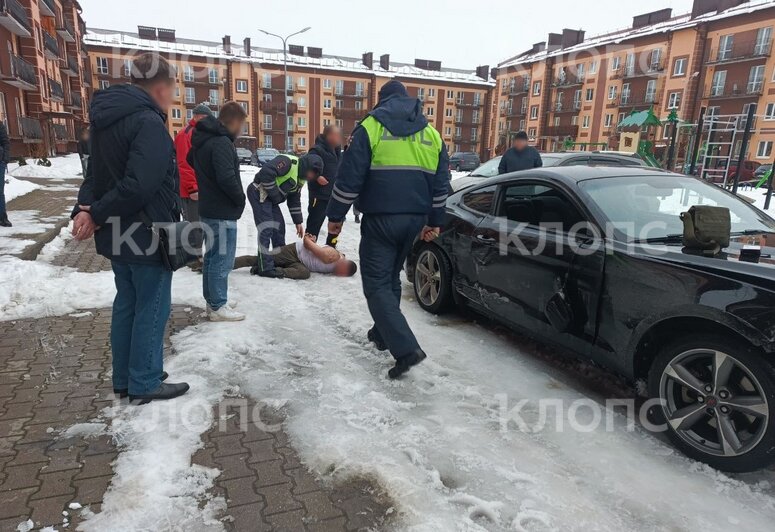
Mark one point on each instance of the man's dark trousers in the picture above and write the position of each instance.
(316, 215)
(270, 225)
(386, 240)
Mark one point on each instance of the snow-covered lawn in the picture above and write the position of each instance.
(434, 440)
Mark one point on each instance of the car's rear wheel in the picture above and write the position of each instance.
(433, 280)
(717, 397)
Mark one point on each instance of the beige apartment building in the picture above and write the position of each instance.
(320, 89)
(44, 76)
(571, 91)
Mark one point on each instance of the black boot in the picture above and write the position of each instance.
(5, 222)
(270, 274)
(375, 338)
(123, 392)
(162, 393)
(404, 364)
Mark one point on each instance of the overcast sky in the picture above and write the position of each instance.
(459, 33)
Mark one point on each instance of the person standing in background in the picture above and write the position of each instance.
(213, 157)
(520, 156)
(189, 189)
(5, 158)
(83, 149)
(328, 146)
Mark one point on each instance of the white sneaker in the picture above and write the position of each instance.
(225, 313)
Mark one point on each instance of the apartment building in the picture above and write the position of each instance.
(319, 89)
(44, 77)
(571, 91)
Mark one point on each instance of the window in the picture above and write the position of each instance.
(480, 200)
(448, 112)
(756, 80)
(242, 85)
(339, 90)
(574, 120)
(764, 151)
(616, 63)
(359, 88)
(358, 105)
(718, 83)
(537, 88)
(431, 93)
(177, 92)
(267, 141)
(245, 128)
(289, 82)
(679, 67)
(532, 132)
(539, 205)
(327, 103)
(102, 65)
(655, 63)
(674, 100)
(212, 76)
(339, 104)
(557, 120)
(725, 46)
(301, 81)
(769, 114)
(609, 120)
(626, 93)
(104, 84)
(213, 97)
(326, 122)
(763, 41)
(451, 95)
(267, 121)
(244, 106)
(176, 114)
(629, 65)
(189, 114)
(188, 73)
(302, 102)
(651, 91)
(534, 112)
(612, 91)
(127, 67)
(326, 83)
(339, 123)
(593, 67)
(302, 121)
(590, 95)
(267, 80)
(585, 122)
(429, 111)
(302, 141)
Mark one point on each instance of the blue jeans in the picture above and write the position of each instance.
(220, 238)
(271, 228)
(386, 240)
(140, 313)
(3, 167)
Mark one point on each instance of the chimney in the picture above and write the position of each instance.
(384, 61)
(483, 72)
(146, 32)
(296, 49)
(494, 72)
(166, 35)
(655, 17)
(227, 44)
(368, 60)
(314, 51)
(571, 37)
(247, 46)
(539, 47)
(554, 41)
(703, 7)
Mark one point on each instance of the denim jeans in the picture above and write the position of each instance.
(3, 167)
(221, 243)
(140, 313)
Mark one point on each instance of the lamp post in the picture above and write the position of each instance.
(285, 70)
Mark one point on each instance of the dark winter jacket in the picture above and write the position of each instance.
(131, 170)
(5, 145)
(331, 159)
(214, 159)
(385, 190)
(83, 148)
(513, 160)
(290, 191)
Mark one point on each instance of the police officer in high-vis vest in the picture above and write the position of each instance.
(278, 181)
(396, 172)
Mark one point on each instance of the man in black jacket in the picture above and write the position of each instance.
(221, 203)
(132, 179)
(83, 148)
(5, 157)
(328, 147)
(520, 156)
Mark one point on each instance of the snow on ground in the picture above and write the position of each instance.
(15, 188)
(62, 168)
(432, 441)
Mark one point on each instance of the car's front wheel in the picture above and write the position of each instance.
(717, 397)
(433, 280)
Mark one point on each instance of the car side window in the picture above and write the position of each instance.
(481, 199)
(576, 161)
(539, 205)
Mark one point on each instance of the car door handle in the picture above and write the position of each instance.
(485, 239)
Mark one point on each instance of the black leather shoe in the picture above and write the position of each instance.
(404, 364)
(162, 393)
(375, 338)
(123, 392)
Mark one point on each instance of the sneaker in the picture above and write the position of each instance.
(123, 392)
(375, 338)
(404, 364)
(162, 393)
(225, 313)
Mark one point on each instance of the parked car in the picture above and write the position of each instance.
(717, 174)
(490, 168)
(245, 156)
(761, 172)
(700, 330)
(264, 155)
(464, 161)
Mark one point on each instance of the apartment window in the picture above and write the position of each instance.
(616, 63)
(769, 113)
(242, 85)
(718, 83)
(244, 106)
(339, 87)
(532, 132)
(302, 141)
(326, 122)
(612, 91)
(674, 100)
(358, 105)
(104, 84)
(448, 112)
(326, 83)
(267, 121)
(301, 81)
(340, 123)
(429, 111)
(609, 120)
(267, 141)
(590, 95)
(245, 128)
(764, 151)
(651, 91)
(176, 114)
(327, 104)
(656, 59)
(574, 120)
(267, 80)
(459, 115)
(537, 88)
(190, 95)
(557, 120)
(302, 121)
(522, 124)
(585, 122)
(593, 67)
(725, 46)
(188, 73)
(448, 130)
(431, 93)
(679, 67)
(626, 93)
(458, 132)
(534, 112)
(580, 71)
(763, 41)
(629, 65)
(302, 102)
(359, 88)
(289, 82)
(756, 79)
(127, 68)
(102, 65)
(214, 97)
(339, 104)
(189, 114)
(212, 76)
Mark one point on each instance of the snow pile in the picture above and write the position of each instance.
(15, 188)
(65, 167)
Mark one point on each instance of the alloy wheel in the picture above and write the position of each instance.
(427, 278)
(714, 402)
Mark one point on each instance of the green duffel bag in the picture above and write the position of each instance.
(706, 228)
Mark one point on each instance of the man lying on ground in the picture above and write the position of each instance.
(298, 260)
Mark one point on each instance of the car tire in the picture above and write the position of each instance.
(433, 280)
(458, 168)
(731, 377)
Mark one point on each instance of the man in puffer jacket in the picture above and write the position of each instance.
(328, 147)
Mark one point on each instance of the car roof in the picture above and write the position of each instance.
(574, 174)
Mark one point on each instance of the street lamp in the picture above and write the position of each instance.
(285, 69)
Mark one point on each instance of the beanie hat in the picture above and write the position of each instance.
(314, 162)
(520, 136)
(202, 109)
(392, 88)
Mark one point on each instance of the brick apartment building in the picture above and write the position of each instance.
(320, 89)
(718, 57)
(44, 76)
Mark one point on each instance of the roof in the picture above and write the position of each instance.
(638, 119)
(621, 36)
(215, 50)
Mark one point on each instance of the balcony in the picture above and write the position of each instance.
(357, 95)
(349, 113)
(47, 8)
(56, 91)
(463, 103)
(515, 89)
(740, 51)
(561, 131)
(13, 17)
(70, 66)
(735, 89)
(76, 101)
(632, 72)
(31, 130)
(50, 45)
(278, 107)
(467, 121)
(277, 84)
(630, 100)
(23, 74)
(510, 113)
(567, 81)
(67, 31)
(560, 107)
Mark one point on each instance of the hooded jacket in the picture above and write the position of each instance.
(132, 169)
(392, 189)
(188, 183)
(331, 158)
(214, 160)
(278, 167)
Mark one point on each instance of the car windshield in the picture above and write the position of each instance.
(647, 208)
(267, 153)
(488, 169)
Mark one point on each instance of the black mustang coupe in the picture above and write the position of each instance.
(591, 259)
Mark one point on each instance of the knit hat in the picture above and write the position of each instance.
(202, 109)
(392, 88)
(520, 136)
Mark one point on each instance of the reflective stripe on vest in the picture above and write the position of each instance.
(420, 151)
(293, 174)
